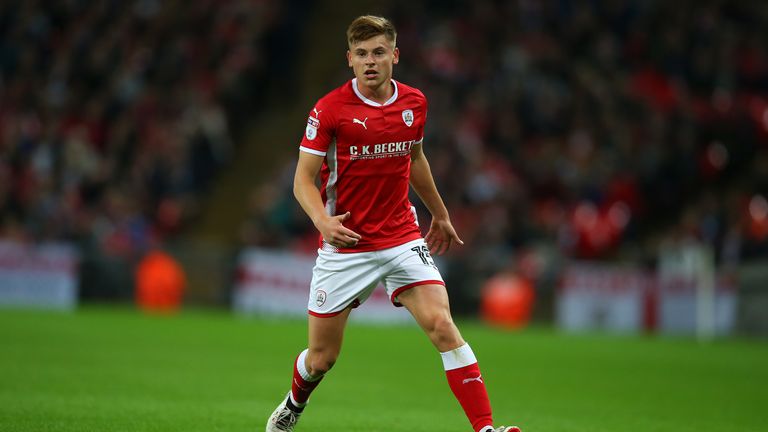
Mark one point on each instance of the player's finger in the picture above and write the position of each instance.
(455, 237)
(433, 237)
(349, 233)
(345, 216)
(343, 242)
(432, 245)
(444, 246)
(434, 249)
(349, 239)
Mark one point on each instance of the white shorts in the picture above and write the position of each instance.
(340, 280)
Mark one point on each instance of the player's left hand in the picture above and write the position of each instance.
(440, 236)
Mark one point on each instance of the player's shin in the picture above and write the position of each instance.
(468, 385)
(303, 383)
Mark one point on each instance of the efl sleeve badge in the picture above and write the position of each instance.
(312, 125)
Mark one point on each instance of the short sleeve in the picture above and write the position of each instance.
(319, 131)
(420, 139)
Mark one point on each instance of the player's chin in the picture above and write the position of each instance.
(371, 80)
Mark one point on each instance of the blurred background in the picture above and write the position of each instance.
(605, 162)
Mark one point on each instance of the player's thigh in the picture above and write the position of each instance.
(430, 307)
(414, 281)
(426, 303)
(326, 333)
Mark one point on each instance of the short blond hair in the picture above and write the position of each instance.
(368, 26)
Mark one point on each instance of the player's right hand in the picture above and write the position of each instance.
(335, 233)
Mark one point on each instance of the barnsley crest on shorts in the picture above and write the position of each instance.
(321, 296)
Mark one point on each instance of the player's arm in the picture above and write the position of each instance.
(441, 232)
(308, 195)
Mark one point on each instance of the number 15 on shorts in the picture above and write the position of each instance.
(423, 253)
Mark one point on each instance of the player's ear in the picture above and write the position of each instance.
(396, 55)
(349, 58)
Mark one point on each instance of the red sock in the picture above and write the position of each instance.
(468, 386)
(301, 387)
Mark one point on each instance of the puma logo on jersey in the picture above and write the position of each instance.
(469, 380)
(362, 122)
(317, 113)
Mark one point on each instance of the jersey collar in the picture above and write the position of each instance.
(370, 102)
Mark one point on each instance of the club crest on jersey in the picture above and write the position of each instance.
(408, 117)
(320, 298)
(312, 125)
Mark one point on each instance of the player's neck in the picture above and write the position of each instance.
(380, 94)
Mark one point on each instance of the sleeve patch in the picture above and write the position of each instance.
(312, 125)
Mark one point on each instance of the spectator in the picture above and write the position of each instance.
(116, 116)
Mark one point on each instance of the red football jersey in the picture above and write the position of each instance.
(367, 150)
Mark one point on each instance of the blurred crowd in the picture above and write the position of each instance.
(115, 116)
(582, 129)
(606, 128)
(595, 129)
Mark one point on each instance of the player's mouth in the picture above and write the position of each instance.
(370, 74)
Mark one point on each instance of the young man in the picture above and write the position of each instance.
(365, 139)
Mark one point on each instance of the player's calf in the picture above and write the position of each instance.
(303, 382)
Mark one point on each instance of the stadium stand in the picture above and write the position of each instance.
(117, 116)
(601, 127)
(588, 130)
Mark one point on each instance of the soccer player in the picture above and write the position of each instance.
(365, 139)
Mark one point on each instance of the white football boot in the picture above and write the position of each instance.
(283, 419)
(507, 429)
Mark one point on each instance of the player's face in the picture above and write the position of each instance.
(372, 61)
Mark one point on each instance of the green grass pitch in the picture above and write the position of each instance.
(101, 369)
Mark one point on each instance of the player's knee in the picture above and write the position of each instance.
(322, 363)
(443, 332)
